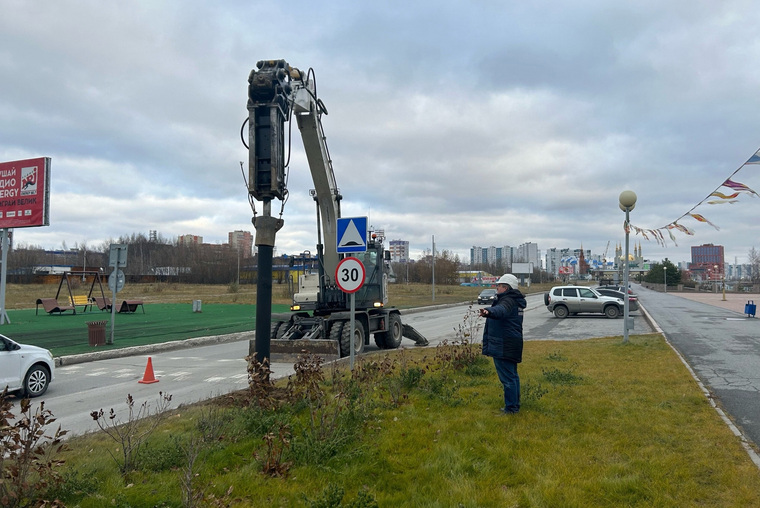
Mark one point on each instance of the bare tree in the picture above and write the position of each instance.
(754, 263)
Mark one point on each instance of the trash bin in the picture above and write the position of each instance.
(96, 330)
(750, 308)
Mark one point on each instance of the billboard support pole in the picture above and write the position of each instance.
(3, 277)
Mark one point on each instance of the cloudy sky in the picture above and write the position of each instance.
(480, 123)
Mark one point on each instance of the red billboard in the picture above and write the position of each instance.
(25, 193)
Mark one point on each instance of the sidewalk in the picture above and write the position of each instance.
(734, 301)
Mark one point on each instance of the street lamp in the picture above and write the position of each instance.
(665, 272)
(627, 201)
(724, 282)
(715, 282)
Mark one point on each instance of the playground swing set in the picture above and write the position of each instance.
(51, 305)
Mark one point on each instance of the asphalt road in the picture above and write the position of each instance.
(202, 372)
(722, 347)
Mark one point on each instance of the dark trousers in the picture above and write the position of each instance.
(507, 372)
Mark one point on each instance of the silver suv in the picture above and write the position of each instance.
(566, 300)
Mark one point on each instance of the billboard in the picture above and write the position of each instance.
(522, 268)
(25, 193)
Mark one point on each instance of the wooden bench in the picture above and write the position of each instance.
(130, 306)
(102, 303)
(81, 300)
(51, 305)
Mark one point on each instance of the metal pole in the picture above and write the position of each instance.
(665, 271)
(625, 280)
(724, 282)
(353, 329)
(114, 274)
(266, 230)
(433, 273)
(3, 276)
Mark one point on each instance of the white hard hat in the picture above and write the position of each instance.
(510, 279)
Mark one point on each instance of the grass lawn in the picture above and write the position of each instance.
(602, 424)
(67, 333)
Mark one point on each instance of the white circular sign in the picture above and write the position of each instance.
(350, 275)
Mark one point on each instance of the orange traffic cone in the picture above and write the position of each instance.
(148, 377)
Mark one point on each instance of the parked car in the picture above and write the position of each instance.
(615, 287)
(633, 301)
(569, 300)
(25, 369)
(486, 296)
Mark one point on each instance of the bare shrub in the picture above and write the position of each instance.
(131, 435)
(28, 463)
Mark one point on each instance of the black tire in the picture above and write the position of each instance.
(611, 312)
(336, 330)
(546, 298)
(345, 339)
(36, 381)
(392, 338)
(274, 329)
(560, 311)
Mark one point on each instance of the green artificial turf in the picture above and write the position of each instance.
(68, 333)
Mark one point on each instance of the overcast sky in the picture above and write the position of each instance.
(480, 123)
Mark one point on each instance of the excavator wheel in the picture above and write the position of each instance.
(276, 329)
(345, 339)
(392, 338)
(336, 330)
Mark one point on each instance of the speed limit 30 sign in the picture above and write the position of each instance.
(350, 275)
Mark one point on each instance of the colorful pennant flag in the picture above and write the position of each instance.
(737, 188)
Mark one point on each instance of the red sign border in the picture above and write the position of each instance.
(364, 274)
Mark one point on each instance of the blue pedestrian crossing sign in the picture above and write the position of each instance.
(352, 234)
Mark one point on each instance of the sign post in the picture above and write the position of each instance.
(3, 276)
(349, 275)
(117, 259)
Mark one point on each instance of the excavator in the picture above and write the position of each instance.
(320, 311)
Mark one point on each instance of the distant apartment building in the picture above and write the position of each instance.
(556, 259)
(241, 241)
(528, 253)
(399, 250)
(190, 240)
(491, 256)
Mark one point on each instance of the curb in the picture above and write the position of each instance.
(152, 348)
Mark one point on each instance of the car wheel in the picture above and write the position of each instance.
(560, 312)
(546, 298)
(611, 312)
(36, 381)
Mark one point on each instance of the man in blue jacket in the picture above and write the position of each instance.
(503, 338)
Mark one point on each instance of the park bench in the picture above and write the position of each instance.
(82, 300)
(130, 306)
(102, 303)
(51, 305)
(125, 307)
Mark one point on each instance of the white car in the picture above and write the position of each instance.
(25, 369)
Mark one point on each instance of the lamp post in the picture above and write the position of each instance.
(715, 279)
(665, 272)
(627, 201)
(724, 282)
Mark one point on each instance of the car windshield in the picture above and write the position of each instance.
(488, 292)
